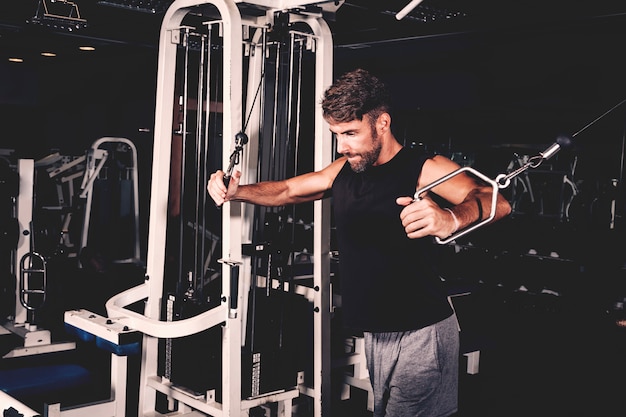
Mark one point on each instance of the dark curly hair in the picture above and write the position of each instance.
(355, 94)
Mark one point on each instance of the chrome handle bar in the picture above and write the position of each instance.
(494, 198)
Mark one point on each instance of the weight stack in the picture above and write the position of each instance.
(278, 341)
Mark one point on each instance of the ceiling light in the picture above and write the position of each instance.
(16, 60)
(58, 14)
(86, 48)
(50, 54)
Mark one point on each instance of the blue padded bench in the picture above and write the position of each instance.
(27, 382)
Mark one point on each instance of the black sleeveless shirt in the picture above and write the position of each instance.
(388, 282)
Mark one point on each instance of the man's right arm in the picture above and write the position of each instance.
(302, 188)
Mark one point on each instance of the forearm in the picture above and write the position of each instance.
(266, 193)
(476, 207)
(299, 189)
(271, 194)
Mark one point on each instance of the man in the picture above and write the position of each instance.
(389, 288)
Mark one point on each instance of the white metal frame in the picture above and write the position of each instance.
(36, 341)
(26, 171)
(235, 225)
(321, 232)
(95, 161)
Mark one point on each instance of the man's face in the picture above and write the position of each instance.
(358, 141)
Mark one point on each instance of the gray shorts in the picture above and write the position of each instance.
(415, 373)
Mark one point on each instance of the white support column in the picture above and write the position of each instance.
(321, 219)
(231, 213)
(168, 43)
(26, 172)
(169, 38)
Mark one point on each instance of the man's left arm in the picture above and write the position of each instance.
(470, 202)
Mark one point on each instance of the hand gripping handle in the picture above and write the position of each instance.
(474, 226)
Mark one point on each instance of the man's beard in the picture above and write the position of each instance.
(368, 158)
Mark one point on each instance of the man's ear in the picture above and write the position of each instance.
(384, 122)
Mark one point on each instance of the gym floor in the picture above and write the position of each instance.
(548, 356)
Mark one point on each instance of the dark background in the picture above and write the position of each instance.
(469, 73)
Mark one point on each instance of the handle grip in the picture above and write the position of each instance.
(234, 290)
(494, 199)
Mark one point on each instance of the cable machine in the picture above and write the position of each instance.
(238, 87)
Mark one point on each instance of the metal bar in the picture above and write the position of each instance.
(183, 158)
(494, 200)
(321, 233)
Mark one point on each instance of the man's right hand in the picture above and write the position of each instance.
(218, 191)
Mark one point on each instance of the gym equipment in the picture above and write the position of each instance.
(31, 271)
(31, 278)
(501, 181)
(28, 382)
(56, 182)
(29, 293)
(546, 192)
(110, 189)
(257, 68)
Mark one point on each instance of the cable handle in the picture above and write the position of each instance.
(240, 139)
(474, 226)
